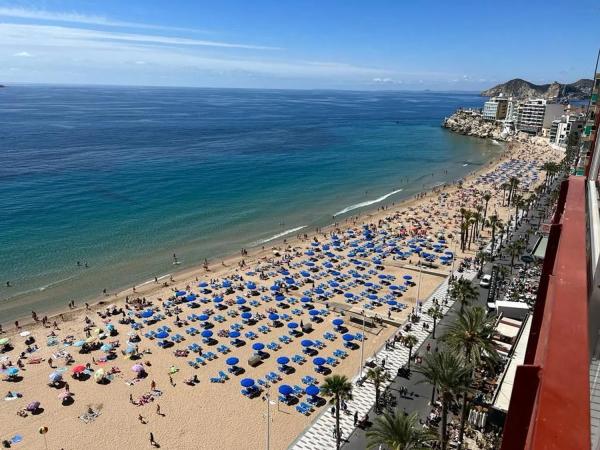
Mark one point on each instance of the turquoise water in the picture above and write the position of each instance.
(122, 178)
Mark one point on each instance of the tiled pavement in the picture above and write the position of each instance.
(319, 435)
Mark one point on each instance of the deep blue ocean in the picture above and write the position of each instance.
(122, 178)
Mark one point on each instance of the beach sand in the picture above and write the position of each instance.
(216, 415)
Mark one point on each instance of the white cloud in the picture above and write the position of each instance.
(386, 80)
(73, 17)
(56, 35)
(24, 54)
(70, 50)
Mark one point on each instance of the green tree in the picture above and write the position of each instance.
(339, 388)
(410, 341)
(471, 334)
(450, 373)
(435, 312)
(377, 375)
(463, 291)
(487, 196)
(399, 432)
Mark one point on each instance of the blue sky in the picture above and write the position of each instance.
(349, 44)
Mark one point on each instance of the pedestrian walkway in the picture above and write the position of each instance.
(319, 435)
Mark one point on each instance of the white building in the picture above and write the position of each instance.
(495, 108)
(562, 128)
(531, 115)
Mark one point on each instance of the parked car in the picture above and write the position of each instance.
(485, 280)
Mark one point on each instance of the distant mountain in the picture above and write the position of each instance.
(519, 88)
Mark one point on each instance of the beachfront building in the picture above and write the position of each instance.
(495, 108)
(561, 128)
(530, 115)
(555, 398)
(535, 114)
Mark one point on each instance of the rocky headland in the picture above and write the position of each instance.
(471, 123)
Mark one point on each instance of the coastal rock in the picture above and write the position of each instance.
(471, 123)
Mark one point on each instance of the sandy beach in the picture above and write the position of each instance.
(365, 264)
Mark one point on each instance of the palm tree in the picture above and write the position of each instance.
(435, 312)
(493, 222)
(377, 375)
(517, 203)
(514, 249)
(339, 388)
(505, 187)
(487, 196)
(471, 334)
(514, 182)
(450, 373)
(463, 291)
(410, 341)
(399, 432)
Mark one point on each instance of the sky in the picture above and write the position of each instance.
(301, 44)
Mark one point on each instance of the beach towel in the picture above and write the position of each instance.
(90, 416)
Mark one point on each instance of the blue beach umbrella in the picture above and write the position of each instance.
(203, 284)
(273, 317)
(305, 300)
(180, 293)
(251, 285)
(348, 337)
(407, 277)
(393, 287)
(319, 291)
(218, 299)
(292, 325)
(318, 361)
(349, 294)
(162, 335)
(372, 297)
(334, 284)
(258, 346)
(190, 297)
(203, 317)
(286, 390)
(337, 322)
(234, 334)
(312, 390)
(147, 313)
(279, 297)
(307, 343)
(226, 283)
(305, 274)
(314, 312)
(246, 315)
(283, 360)
(247, 382)
(232, 361)
(206, 334)
(392, 302)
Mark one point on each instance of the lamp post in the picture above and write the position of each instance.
(362, 346)
(419, 285)
(267, 399)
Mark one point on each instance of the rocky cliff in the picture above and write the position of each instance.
(519, 88)
(470, 123)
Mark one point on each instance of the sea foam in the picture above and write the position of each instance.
(367, 203)
(278, 235)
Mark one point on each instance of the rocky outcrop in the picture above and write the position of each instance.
(521, 89)
(471, 123)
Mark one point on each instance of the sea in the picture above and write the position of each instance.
(101, 186)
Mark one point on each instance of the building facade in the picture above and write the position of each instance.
(562, 128)
(495, 108)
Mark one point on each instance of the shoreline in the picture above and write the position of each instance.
(216, 405)
(370, 213)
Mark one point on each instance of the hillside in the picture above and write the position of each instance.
(519, 88)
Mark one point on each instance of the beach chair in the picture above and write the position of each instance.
(200, 360)
(298, 359)
(193, 364)
(223, 376)
(319, 344)
(298, 390)
(359, 337)
(216, 380)
(331, 361)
